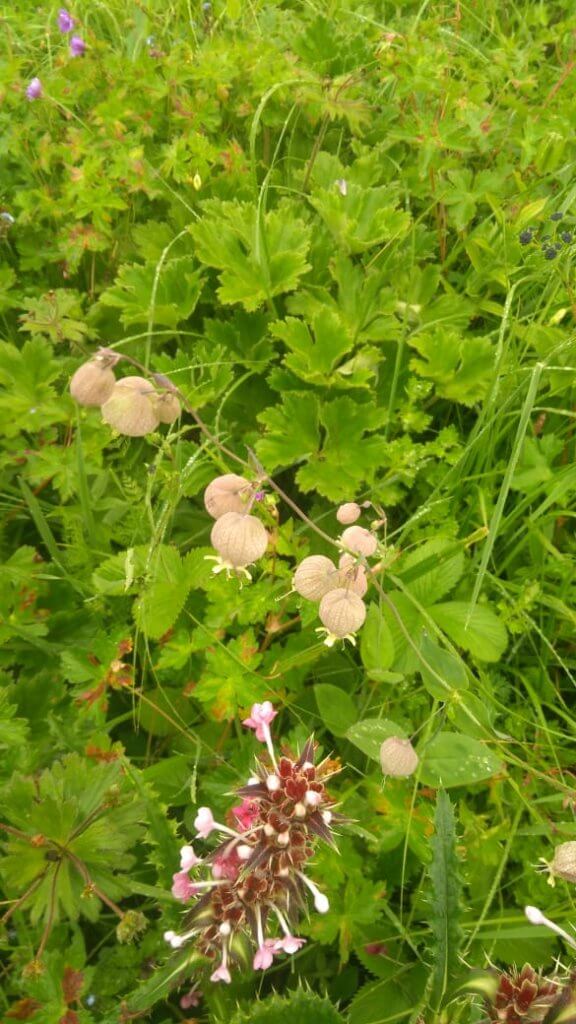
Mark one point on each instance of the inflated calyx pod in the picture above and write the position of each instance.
(131, 408)
(360, 540)
(342, 612)
(228, 493)
(563, 864)
(315, 576)
(93, 382)
(398, 757)
(167, 407)
(348, 513)
(239, 539)
(352, 575)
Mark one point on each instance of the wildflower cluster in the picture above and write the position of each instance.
(522, 996)
(131, 405)
(77, 47)
(551, 244)
(253, 885)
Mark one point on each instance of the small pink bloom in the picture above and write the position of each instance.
(289, 944)
(204, 822)
(312, 798)
(246, 813)
(34, 90)
(182, 887)
(77, 46)
(221, 974)
(227, 866)
(188, 858)
(264, 955)
(65, 20)
(261, 715)
(192, 998)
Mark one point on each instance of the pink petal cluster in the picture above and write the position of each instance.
(182, 888)
(261, 716)
(246, 813)
(204, 822)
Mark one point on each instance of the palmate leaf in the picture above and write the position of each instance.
(257, 259)
(445, 902)
(461, 366)
(364, 217)
(76, 812)
(165, 295)
(314, 351)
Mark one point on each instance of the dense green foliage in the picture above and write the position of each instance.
(333, 226)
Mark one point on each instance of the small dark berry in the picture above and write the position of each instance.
(525, 237)
(557, 216)
(550, 254)
(566, 236)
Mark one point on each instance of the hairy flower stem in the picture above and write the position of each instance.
(22, 899)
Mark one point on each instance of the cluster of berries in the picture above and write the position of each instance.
(340, 589)
(251, 888)
(131, 405)
(551, 245)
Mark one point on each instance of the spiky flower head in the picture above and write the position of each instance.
(252, 888)
(522, 996)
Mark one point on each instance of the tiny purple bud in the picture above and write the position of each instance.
(77, 46)
(65, 20)
(34, 90)
(259, 496)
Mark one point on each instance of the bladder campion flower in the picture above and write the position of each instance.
(239, 539)
(341, 612)
(254, 884)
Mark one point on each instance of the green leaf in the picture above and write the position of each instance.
(451, 759)
(450, 670)
(432, 570)
(461, 366)
(369, 735)
(484, 635)
(376, 645)
(299, 1007)
(257, 258)
(349, 453)
(337, 709)
(314, 352)
(364, 217)
(445, 902)
(164, 596)
(293, 430)
(163, 295)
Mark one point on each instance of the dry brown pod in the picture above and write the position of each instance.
(227, 493)
(398, 757)
(168, 407)
(93, 382)
(359, 540)
(239, 539)
(315, 576)
(352, 575)
(130, 408)
(342, 612)
(348, 513)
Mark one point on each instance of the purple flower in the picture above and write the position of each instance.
(77, 46)
(34, 90)
(65, 20)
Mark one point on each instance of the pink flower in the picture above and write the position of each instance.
(221, 974)
(261, 715)
(312, 798)
(188, 858)
(289, 944)
(264, 955)
(204, 822)
(192, 998)
(246, 813)
(227, 865)
(65, 20)
(182, 887)
(77, 46)
(34, 90)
